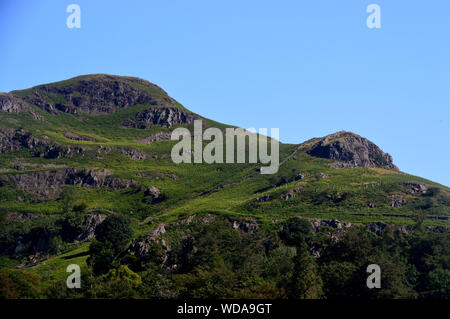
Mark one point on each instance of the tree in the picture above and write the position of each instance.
(102, 257)
(68, 199)
(295, 231)
(71, 226)
(8, 288)
(338, 279)
(306, 282)
(112, 238)
(56, 245)
(116, 230)
(419, 218)
(26, 284)
(438, 284)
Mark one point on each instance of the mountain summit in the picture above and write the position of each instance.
(351, 150)
(91, 157)
(93, 94)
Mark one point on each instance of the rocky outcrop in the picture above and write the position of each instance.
(135, 154)
(20, 216)
(291, 194)
(164, 116)
(157, 231)
(9, 103)
(48, 183)
(141, 247)
(351, 150)
(377, 227)
(12, 104)
(263, 198)
(335, 229)
(34, 260)
(96, 94)
(414, 187)
(319, 224)
(246, 227)
(11, 140)
(397, 201)
(90, 223)
(152, 195)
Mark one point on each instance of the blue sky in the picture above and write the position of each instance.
(309, 68)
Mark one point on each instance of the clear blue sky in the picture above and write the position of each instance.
(309, 68)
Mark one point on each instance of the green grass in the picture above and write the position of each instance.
(55, 268)
(350, 190)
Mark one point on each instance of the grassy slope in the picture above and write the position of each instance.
(360, 186)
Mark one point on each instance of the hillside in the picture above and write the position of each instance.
(74, 152)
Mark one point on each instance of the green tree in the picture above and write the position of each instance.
(26, 284)
(68, 199)
(438, 284)
(112, 238)
(8, 288)
(115, 229)
(306, 282)
(56, 245)
(338, 279)
(295, 231)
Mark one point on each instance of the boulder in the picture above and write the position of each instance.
(377, 227)
(397, 201)
(152, 195)
(414, 187)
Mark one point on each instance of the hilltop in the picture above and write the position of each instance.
(74, 152)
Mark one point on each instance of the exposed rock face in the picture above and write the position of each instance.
(47, 184)
(96, 94)
(165, 116)
(11, 140)
(263, 198)
(20, 217)
(90, 223)
(351, 150)
(34, 260)
(9, 103)
(246, 227)
(12, 104)
(292, 193)
(338, 230)
(141, 247)
(415, 187)
(377, 228)
(397, 201)
(152, 195)
(157, 231)
(318, 224)
(135, 154)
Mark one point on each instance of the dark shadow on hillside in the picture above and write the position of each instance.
(84, 253)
